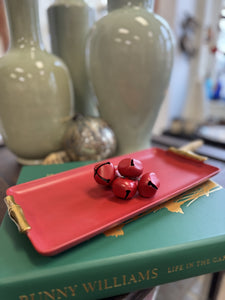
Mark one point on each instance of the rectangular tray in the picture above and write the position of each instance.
(68, 208)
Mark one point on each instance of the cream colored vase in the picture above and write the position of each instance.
(129, 62)
(36, 95)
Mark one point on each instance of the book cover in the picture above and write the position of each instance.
(183, 238)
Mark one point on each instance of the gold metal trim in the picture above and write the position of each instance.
(16, 214)
(187, 154)
(187, 150)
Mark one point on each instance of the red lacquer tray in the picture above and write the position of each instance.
(68, 208)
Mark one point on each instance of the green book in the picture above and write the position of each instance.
(183, 238)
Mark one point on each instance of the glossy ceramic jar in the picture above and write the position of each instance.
(69, 24)
(36, 96)
(130, 57)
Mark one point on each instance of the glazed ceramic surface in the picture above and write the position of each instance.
(130, 61)
(114, 4)
(36, 96)
(69, 23)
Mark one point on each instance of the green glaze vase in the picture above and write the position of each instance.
(36, 94)
(130, 58)
(69, 24)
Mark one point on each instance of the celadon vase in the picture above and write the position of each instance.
(129, 61)
(36, 94)
(69, 24)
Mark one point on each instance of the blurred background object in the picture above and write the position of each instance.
(4, 36)
(211, 62)
(196, 92)
(69, 25)
(4, 39)
(189, 102)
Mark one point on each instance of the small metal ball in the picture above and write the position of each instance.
(89, 138)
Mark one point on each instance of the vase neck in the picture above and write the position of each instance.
(115, 4)
(24, 25)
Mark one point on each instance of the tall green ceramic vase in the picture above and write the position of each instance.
(36, 95)
(130, 61)
(69, 24)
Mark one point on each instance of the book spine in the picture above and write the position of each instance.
(123, 275)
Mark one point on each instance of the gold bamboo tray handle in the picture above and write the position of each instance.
(16, 214)
(187, 150)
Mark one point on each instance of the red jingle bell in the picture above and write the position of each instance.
(124, 188)
(117, 173)
(148, 185)
(131, 168)
(104, 173)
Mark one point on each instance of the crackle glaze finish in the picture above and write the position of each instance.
(130, 61)
(69, 24)
(36, 96)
